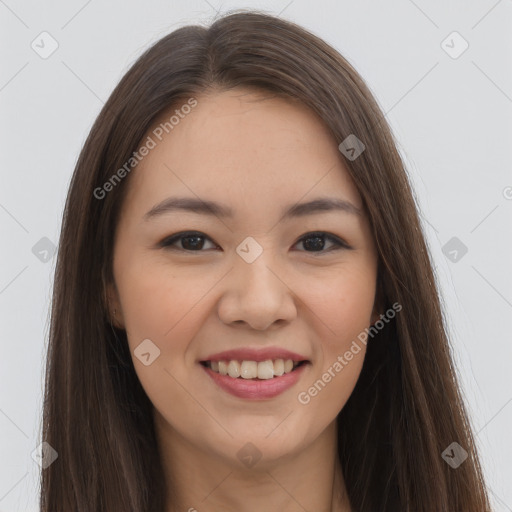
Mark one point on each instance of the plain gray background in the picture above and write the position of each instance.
(450, 111)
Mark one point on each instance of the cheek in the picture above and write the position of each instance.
(343, 307)
(159, 301)
(343, 301)
(166, 305)
(163, 305)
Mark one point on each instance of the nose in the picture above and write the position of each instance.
(256, 294)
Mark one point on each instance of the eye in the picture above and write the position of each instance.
(316, 242)
(194, 241)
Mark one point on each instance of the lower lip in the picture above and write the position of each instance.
(256, 389)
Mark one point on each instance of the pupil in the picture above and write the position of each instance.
(194, 245)
(317, 244)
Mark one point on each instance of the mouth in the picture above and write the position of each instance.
(254, 370)
(255, 380)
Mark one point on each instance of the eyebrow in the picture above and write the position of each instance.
(204, 207)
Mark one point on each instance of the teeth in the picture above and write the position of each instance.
(223, 367)
(234, 369)
(263, 370)
(249, 369)
(266, 369)
(278, 367)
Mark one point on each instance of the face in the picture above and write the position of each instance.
(261, 276)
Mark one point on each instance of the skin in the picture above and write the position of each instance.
(257, 154)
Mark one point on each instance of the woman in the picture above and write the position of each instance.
(207, 350)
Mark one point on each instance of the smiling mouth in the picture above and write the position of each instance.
(254, 370)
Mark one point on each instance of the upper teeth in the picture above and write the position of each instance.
(253, 369)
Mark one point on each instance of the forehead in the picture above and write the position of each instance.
(242, 147)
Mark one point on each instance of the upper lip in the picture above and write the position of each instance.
(255, 354)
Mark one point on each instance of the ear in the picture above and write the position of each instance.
(113, 306)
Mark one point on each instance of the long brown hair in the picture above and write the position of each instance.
(406, 407)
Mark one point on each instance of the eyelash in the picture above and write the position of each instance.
(168, 242)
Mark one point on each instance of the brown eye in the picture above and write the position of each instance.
(315, 242)
(190, 241)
